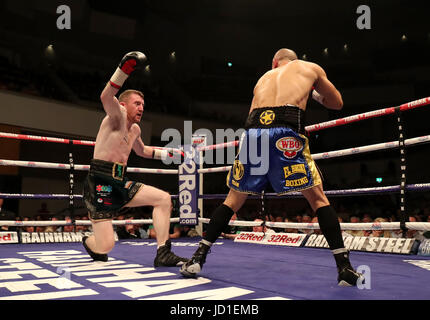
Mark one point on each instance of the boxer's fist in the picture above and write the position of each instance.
(176, 155)
(317, 97)
(132, 61)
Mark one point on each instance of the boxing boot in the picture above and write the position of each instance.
(95, 256)
(193, 266)
(347, 276)
(166, 258)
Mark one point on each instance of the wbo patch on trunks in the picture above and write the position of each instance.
(290, 146)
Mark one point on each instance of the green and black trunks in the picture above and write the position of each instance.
(107, 190)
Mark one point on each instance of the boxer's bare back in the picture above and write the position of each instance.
(291, 83)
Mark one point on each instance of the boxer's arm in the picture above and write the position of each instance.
(149, 152)
(110, 102)
(129, 63)
(326, 92)
(141, 150)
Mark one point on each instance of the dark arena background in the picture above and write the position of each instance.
(204, 59)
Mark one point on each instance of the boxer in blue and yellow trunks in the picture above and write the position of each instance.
(285, 163)
(274, 150)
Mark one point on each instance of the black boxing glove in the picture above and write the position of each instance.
(131, 62)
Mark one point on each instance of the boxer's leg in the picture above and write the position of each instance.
(101, 242)
(330, 227)
(162, 203)
(327, 218)
(221, 216)
(219, 221)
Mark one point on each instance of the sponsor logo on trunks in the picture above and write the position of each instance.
(100, 200)
(267, 117)
(296, 169)
(101, 188)
(238, 170)
(290, 146)
(107, 202)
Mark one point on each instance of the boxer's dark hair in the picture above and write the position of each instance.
(124, 96)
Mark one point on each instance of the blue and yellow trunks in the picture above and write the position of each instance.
(272, 150)
(107, 190)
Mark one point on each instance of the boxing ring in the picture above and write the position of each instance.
(234, 270)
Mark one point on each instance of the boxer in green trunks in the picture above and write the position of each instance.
(107, 189)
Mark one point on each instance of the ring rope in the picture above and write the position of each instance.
(368, 115)
(419, 226)
(77, 223)
(63, 141)
(333, 193)
(316, 127)
(340, 122)
(318, 156)
(77, 167)
(344, 152)
(46, 196)
(370, 148)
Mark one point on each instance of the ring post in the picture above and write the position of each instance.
(188, 188)
(403, 167)
(71, 184)
(200, 141)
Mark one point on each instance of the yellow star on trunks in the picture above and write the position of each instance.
(267, 117)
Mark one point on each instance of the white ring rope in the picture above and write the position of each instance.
(77, 222)
(339, 122)
(369, 148)
(359, 191)
(422, 226)
(77, 167)
(344, 152)
(318, 156)
(419, 226)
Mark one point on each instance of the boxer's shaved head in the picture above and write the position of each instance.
(283, 55)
